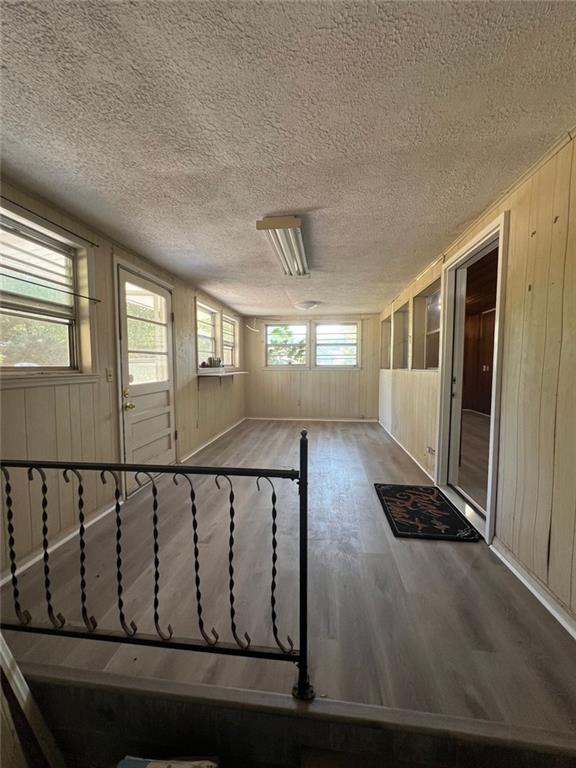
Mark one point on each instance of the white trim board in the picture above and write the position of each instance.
(212, 440)
(61, 539)
(371, 420)
(540, 592)
(407, 452)
(450, 358)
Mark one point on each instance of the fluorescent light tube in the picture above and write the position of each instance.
(284, 233)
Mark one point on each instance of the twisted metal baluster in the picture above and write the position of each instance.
(89, 621)
(23, 616)
(239, 641)
(58, 620)
(214, 639)
(163, 635)
(132, 629)
(290, 647)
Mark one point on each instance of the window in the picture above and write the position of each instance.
(38, 308)
(147, 332)
(206, 320)
(286, 344)
(385, 342)
(229, 342)
(433, 330)
(426, 327)
(337, 344)
(400, 337)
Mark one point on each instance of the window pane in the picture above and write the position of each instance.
(34, 273)
(144, 304)
(432, 349)
(144, 368)
(31, 342)
(145, 336)
(206, 316)
(286, 344)
(433, 312)
(337, 344)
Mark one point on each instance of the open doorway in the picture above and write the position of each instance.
(471, 413)
(470, 387)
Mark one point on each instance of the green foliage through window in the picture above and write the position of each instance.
(286, 344)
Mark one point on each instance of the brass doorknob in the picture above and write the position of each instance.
(129, 406)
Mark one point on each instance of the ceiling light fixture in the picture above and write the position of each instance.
(284, 234)
(306, 304)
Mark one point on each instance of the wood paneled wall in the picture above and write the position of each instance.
(313, 393)
(409, 412)
(65, 421)
(536, 506)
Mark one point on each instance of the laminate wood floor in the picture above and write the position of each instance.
(424, 625)
(474, 456)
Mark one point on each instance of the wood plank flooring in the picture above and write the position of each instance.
(423, 625)
(474, 456)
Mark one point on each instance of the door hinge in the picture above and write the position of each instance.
(175, 434)
(172, 316)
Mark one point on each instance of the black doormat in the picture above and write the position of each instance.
(423, 512)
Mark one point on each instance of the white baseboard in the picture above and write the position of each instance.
(212, 440)
(61, 539)
(539, 591)
(426, 472)
(303, 418)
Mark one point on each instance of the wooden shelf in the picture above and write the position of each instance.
(206, 373)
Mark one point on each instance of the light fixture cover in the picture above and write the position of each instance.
(306, 304)
(284, 234)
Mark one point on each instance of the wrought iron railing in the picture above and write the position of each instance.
(149, 475)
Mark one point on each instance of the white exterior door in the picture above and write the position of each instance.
(147, 372)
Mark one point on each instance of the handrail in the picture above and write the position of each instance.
(165, 637)
(157, 469)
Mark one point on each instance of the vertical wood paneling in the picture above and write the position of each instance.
(550, 367)
(511, 367)
(532, 359)
(81, 421)
(536, 508)
(312, 393)
(562, 566)
(410, 411)
(14, 445)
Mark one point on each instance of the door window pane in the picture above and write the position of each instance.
(147, 337)
(145, 368)
(145, 304)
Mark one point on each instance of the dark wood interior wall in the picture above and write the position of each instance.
(479, 333)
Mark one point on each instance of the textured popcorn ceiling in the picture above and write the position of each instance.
(173, 126)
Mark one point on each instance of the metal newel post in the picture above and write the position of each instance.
(303, 689)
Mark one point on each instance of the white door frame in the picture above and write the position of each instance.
(128, 266)
(497, 229)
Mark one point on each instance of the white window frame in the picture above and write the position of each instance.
(310, 362)
(83, 364)
(287, 366)
(358, 324)
(217, 333)
(236, 346)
